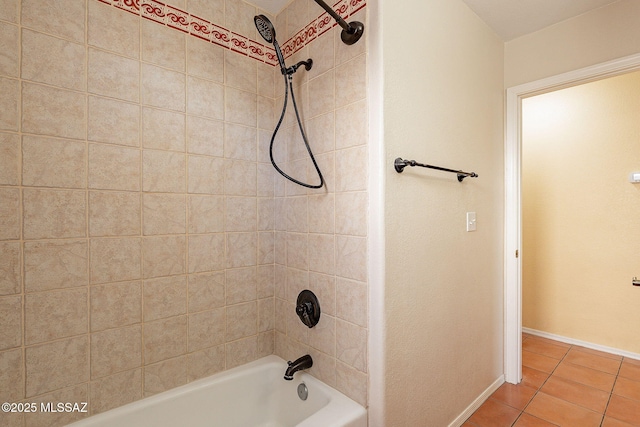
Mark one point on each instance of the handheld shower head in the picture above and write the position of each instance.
(265, 28)
(268, 32)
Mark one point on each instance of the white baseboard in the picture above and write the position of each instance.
(572, 341)
(476, 403)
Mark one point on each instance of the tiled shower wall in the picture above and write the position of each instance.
(140, 218)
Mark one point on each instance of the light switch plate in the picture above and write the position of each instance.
(471, 221)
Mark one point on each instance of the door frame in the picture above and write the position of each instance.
(513, 196)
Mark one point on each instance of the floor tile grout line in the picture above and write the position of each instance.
(611, 393)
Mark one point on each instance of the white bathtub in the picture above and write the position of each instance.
(252, 395)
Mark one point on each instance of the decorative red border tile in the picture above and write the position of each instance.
(200, 28)
(256, 50)
(324, 23)
(220, 36)
(342, 8)
(239, 43)
(270, 57)
(177, 19)
(355, 6)
(129, 5)
(153, 10)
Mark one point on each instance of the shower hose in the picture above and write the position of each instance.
(288, 84)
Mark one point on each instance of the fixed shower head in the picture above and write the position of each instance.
(268, 32)
(265, 28)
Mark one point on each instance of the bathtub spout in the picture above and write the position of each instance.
(304, 362)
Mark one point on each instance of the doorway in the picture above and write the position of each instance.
(513, 195)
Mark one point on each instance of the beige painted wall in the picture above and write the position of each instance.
(601, 35)
(443, 105)
(581, 235)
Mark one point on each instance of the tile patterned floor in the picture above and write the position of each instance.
(565, 386)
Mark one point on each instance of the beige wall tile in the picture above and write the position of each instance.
(9, 10)
(241, 321)
(266, 80)
(241, 250)
(239, 17)
(241, 285)
(115, 350)
(115, 305)
(351, 382)
(351, 345)
(163, 171)
(345, 52)
(211, 10)
(206, 291)
(266, 343)
(11, 320)
(351, 81)
(349, 301)
(55, 314)
(164, 214)
(206, 175)
(266, 177)
(9, 159)
(115, 260)
(205, 60)
(10, 268)
(240, 214)
(48, 162)
(114, 122)
(51, 60)
(240, 178)
(322, 253)
(9, 214)
(351, 213)
(205, 98)
(323, 336)
(297, 16)
(50, 214)
(297, 214)
(298, 251)
(114, 76)
(241, 71)
(164, 339)
(352, 125)
(350, 178)
(351, 257)
(115, 390)
(241, 351)
(163, 88)
(9, 104)
(163, 46)
(205, 362)
(241, 107)
(206, 214)
(321, 90)
(64, 18)
(266, 214)
(55, 265)
(206, 329)
(11, 375)
(56, 365)
(266, 254)
(9, 49)
(205, 136)
(324, 213)
(324, 367)
(322, 134)
(74, 394)
(51, 111)
(165, 375)
(113, 30)
(322, 51)
(266, 279)
(266, 314)
(164, 256)
(297, 280)
(114, 214)
(206, 252)
(163, 130)
(324, 286)
(164, 297)
(240, 142)
(114, 168)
